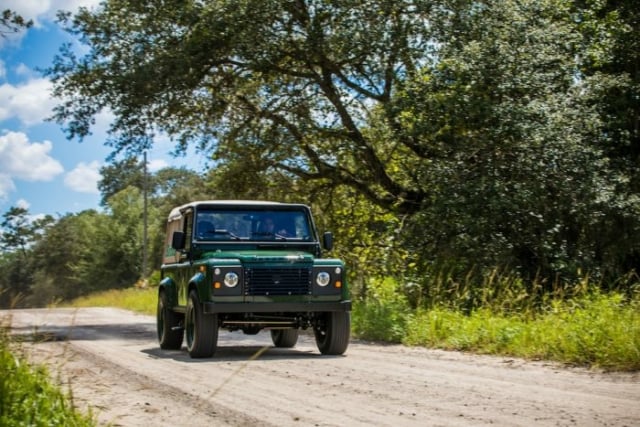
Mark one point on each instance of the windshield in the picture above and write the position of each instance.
(230, 225)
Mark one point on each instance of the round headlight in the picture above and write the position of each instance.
(323, 278)
(230, 279)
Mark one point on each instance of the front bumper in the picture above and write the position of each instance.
(276, 307)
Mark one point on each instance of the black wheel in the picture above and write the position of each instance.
(170, 332)
(284, 338)
(201, 329)
(332, 332)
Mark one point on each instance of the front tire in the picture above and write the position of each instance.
(170, 333)
(332, 332)
(284, 338)
(201, 329)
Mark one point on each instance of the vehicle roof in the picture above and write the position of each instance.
(176, 212)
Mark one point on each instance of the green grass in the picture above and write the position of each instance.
(600, 331)
(140, 300)
(586, 328)
(28, 398)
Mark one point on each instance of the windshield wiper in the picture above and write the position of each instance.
(222, 232)
(275, 236)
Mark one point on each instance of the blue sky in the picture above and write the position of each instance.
(39, 168)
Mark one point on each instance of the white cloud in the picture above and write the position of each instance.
(156, 165)
(29, 102)
(25, 160)
(6, 186)
(23, 70)
(22, 203)
(103, 121)
(84, 178)
(39, 10)
(29, 9)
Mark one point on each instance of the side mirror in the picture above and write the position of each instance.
(327, 240)
(177, 240)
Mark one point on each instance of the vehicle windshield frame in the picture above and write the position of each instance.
(221, 224)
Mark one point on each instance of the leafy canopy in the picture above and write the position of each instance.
(491, 130)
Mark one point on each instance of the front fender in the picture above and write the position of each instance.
(199, 283)
(169, 287)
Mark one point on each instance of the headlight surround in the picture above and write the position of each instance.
(323, 279)
(231, 279)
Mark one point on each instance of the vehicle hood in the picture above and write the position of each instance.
(264, 256)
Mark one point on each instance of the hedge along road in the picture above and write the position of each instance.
(111, 360)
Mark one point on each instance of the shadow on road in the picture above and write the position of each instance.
(38, 333)
(238, 353)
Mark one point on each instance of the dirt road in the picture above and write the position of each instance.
(111, 361)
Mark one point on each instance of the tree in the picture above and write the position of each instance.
(516, 178)
(118, 257)
(11, 22)
(64, 258)
(294, 88)
(119, 175)
(19, 234)
(610, 67)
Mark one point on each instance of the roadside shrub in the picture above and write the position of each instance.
(600, 330)
(382, 316)
(27, 398)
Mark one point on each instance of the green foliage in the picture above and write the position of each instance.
(573, 323)
(11, 22)
(383, 315)
(503, 134)
(120, 175)
(27, 396)
(515, 178)
(502, 291)
(594, 330)
(367, 235)
(288, 91)
(600, 330)
(19, 234)
(603, 330)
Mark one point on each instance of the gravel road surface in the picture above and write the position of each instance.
(111, 361)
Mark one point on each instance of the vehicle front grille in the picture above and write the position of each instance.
(277, 281)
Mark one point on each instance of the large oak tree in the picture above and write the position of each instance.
(479, 121)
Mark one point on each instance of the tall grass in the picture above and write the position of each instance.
(576, 324)
(602, 331)
(141, 300)
(28, 398)
(383, 315)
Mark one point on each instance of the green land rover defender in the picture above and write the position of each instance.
(249, 266)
